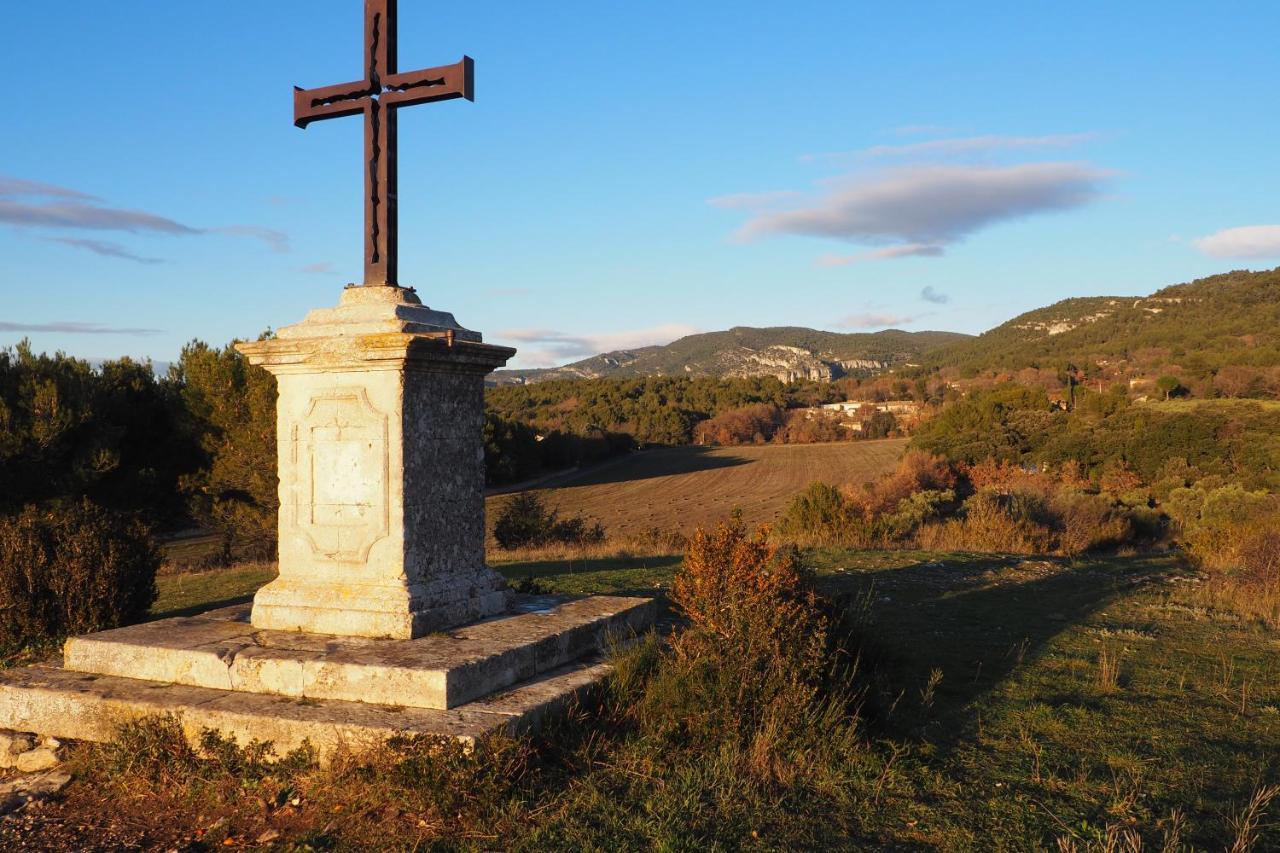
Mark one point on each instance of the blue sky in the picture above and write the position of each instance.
(631, 172)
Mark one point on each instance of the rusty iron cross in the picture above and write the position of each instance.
(378, 96)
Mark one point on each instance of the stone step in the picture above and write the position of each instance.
(79, 706)
(222, 651)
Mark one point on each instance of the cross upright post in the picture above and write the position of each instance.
(378, 96)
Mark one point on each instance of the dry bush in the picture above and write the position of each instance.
(1252, 587)
(1005, 477)
(754, 424)
(994, 522)
(756, 678)
(1088, 522)
(73, 568)
(918, 471)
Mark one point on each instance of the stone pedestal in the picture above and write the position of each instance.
(379, 434)
(385, 620)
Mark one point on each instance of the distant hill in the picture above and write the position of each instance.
(787, 352)
(1228, 319)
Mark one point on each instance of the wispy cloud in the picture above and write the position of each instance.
(319, 268)
(549, 347)
(874, 320)
(1246, 241)
(906, 250)
(934, 296)
(10, 186)
(104, 248)
(931, 205)
(82, 215)
(74, 328)
(32, 204)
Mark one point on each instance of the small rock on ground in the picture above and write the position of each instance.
(37, 760)
(16, 793)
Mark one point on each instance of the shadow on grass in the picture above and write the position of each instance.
(975, 620)
(197, 609)
(643, 577)
(658, 462)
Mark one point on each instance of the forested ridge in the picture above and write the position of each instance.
(1232, 319)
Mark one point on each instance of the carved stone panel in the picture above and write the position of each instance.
(340, 450)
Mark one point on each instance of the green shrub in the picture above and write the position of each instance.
(73, 568)
(526, 521)
(816, 515)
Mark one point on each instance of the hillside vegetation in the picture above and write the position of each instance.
(787, 352)
(1198, 328)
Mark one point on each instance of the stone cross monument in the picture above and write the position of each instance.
(378, 428)
(379, 419)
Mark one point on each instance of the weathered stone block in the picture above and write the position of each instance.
(221, 650)
(379, 418)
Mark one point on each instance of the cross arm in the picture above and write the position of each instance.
(344, 99)
(430, 84)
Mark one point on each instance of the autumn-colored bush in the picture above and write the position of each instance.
(800, 426)
(1086, 522)
(754, 424)
(70, 569)
(757, 678)
(918, 471)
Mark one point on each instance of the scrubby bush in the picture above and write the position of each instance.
(70, 569)
(818, 515)
(758, 678)
(525, 521)
(1009, 508)
(1214, 520)
(1015, 522)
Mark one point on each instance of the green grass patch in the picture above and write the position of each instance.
(187, 593)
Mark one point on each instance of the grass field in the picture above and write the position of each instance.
(680, 488)
(1017, 704)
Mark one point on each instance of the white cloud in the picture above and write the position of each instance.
(874, 320)
(905, 250)
(104, 248)
(933, 205)
(1247, 241)
(550, 347)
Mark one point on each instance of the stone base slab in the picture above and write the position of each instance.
(221, 650)
(79, 706)
(285, 605)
